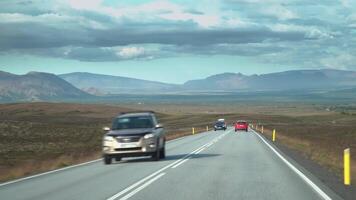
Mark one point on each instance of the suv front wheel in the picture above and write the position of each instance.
(156, 155)
(162, 153)
(107, 160)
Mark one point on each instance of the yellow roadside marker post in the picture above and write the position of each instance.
(256, 127)
(193, 130)
(347, 178)
(262, 129)
(274, 135)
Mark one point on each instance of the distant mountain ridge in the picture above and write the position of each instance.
(107, 84)
(288, 80)
(36, 86)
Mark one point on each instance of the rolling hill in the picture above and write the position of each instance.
(36, 86)
(106, 84)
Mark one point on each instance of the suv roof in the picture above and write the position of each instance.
(241, 121)
(136, 113)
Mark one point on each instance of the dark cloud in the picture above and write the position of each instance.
(249, 49)
(196, 37)
(194, 12)
(34, 35)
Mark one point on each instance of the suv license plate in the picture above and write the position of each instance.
(128, 145)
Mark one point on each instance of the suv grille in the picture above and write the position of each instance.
(128, 139)
(128, 149)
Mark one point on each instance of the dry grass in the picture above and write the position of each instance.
(319, 141)
(33, 166)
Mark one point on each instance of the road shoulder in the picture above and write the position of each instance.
(316, 171)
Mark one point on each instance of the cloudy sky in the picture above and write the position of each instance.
(174, 41)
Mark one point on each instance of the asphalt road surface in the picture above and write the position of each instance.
(211, 165)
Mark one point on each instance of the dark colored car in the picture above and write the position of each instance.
(241, 125)
(220, 125)
(134, 134)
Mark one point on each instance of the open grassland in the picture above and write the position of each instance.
(321, 138)
(36, 137)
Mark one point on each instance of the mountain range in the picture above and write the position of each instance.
(288, 80)
(38, 86)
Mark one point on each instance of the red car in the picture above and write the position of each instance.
(241, 125)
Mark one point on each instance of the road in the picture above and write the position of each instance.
(210, 165)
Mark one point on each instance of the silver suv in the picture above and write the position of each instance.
(134, 134)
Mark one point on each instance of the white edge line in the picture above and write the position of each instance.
(298, 172)
(49, 172)
(65, 168)
(142, 187)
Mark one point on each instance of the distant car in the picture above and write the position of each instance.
(134, 134)
(241, 125)
(220, 125)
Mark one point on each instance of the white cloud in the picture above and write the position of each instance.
(84, 4)
(131, 52)
(345, 3)
(310, 32)
(279, 11)
(160, 9)
(18, 18)
(341, 61)
(50, 19)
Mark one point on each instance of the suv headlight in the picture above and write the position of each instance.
(108, 139)
(150, 135)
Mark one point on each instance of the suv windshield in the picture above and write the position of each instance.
(132, 122)
(219, 123)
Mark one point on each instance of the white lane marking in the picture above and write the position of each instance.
(117, 195)
(298, 172)
(69, 167)
(199, 151)
(49, 172)
(211, 143)
(183, 161)
(141, 187)
(188, 157)
(151, 175)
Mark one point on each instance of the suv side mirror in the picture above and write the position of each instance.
(106, 129)
(158, 126)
